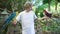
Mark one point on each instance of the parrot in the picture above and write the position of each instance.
(47, 13)
(7, 21)
(9, 18)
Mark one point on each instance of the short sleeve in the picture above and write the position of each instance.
(18, 18)
(35, 17)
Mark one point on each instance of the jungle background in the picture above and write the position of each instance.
(46, 26)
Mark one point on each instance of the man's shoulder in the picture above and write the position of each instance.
(21, 12)
(32, 12)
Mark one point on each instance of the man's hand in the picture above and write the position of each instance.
(14, 22)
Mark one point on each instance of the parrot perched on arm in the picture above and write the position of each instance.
(10, 18)
(47, 13)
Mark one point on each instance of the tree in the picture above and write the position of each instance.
(5, 4)
(49, 5)
(47, 1)
(13, 4)
(56, 2)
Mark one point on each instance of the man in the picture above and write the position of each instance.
(27, 18)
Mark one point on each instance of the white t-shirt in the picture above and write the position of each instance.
(27, 21)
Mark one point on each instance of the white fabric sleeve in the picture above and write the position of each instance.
(18, 18)
(35, 17)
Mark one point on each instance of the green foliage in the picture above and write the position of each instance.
(46, 1)
(54, 23)
(58, 0)
(5, 4)
(40, 10)
(53, 26)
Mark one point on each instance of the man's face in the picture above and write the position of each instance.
(28, 7)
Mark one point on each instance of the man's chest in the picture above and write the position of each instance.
(27, 16)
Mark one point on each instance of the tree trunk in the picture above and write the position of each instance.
(56, 4)
(49, 5)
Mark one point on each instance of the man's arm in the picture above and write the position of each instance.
(18, 18)
(38, 19)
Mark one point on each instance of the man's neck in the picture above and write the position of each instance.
(27, 10)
